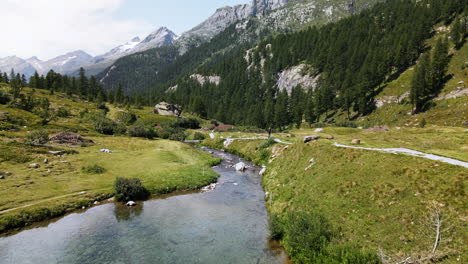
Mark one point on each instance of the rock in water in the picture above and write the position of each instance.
(240, 166)
(311, 138)
(131, 203)
(167, 109)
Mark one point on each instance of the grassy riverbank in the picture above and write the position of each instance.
(378, 201)
(81, 174)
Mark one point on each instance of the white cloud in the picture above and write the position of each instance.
(47, 28)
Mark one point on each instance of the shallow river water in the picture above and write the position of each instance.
(226, 225)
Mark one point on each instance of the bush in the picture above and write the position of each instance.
(215, 161)
(171, 133)
(104, 125)
(423, 123)
(187, 123)
(198, 136)
(129, 189)
(307, 234)
(37, 137)
(276, 227)
(93, 169)
(268, 143)
(4, 97)
(178, 136)
(141, 130)
(126, 118)
(63, 112)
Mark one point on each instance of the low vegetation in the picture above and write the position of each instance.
(65, 175)
(372, 207)
(130, 190)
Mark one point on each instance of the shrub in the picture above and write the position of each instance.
(171, 133)
(214, 161)
(93, 169)
(141, 130)
(178, 136)
(422, 123)
(63, 112)
(104, 125)
(103, 107)
(198, 136)
(307, 234)
(4, 97)
(268, 143)
(129, 189)
(187, 123)
(224, 128)
(126, 118)
(83, 113)
(37, 137)
(276, 227)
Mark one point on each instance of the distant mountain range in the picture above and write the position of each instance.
(70, 63)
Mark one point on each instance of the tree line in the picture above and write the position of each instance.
(353, 58)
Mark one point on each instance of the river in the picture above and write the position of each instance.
(226, 225)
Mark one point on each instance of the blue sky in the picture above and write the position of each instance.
(177, 15)
(48, 28)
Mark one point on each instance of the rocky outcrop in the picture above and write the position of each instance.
(381, 101)
(167, 109)
(69, 138)
(201, 79)
(459, 92)
(224, 17)
(297, 76)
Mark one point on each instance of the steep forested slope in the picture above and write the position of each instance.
(146, 70)
(350, 58)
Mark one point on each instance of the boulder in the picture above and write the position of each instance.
(69, 138)
(356, 142)
(240, 166)
(46, 161)
(330, 137)
(34, 166)
(311, 138)
(167, 109)
(262, 171)
(319, 130)
(2, 177)
(131, 203)
(106, 151)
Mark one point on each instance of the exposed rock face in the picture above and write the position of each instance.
(203, 79)
(379, 102)
(224, 17)
(295, 76)
(167, 109)
(460, 92)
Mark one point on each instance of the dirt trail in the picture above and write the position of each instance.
(410, 153)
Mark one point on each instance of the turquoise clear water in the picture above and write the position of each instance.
(226, 225)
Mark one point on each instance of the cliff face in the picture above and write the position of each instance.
(224, 17)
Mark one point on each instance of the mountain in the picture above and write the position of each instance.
(159, 38)
(61, 64)
(19, 65)
(69, 63)
(228, 29)
(224, 17)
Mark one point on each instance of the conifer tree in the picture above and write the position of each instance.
(420, 83)
(439, 65)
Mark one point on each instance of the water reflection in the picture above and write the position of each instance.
(125, 213)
